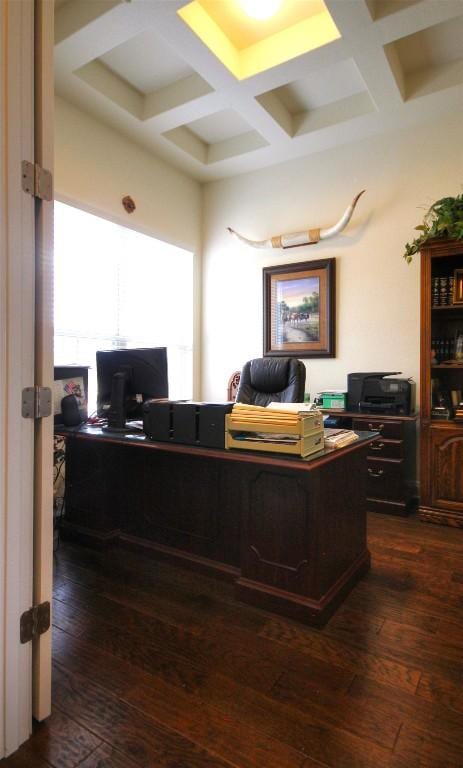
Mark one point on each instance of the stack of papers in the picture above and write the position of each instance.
(338, 438)
(293, 407)
(281, 416)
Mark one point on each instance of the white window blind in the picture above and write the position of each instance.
(116, 288)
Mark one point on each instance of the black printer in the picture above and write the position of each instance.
(374, 393)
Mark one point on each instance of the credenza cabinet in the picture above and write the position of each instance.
(441, 434)
(391, 460)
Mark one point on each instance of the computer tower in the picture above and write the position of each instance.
(212, 424)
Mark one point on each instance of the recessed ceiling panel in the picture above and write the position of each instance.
(210, 141)
(430, 60)
(430, 48)
(322, 87)
(147, 62)
(381, 8)
(220, 126)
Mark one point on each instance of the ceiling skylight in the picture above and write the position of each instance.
(247, 46)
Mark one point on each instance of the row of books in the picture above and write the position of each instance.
(442, 348)
(442, 289)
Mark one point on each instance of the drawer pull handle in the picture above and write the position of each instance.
(377, 446)
(372, 472)
(378, 428)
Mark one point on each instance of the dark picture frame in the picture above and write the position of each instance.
(70, 379)
(299, 309)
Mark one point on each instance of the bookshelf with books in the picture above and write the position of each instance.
(441, 441)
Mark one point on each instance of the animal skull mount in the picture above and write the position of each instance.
(308, 237)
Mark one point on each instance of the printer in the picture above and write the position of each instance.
(374, 393)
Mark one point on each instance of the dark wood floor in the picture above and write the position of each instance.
(158, 666)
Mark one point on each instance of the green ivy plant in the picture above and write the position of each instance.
(443, 219)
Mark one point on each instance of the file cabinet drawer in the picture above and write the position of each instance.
(389, 429)
(386, 449)
(385, 479)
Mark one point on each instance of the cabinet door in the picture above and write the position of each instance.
(446, 468)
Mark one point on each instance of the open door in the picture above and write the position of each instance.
(26, 516)
(43, 485)
(17, 341)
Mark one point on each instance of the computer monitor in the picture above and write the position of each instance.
(126, 378)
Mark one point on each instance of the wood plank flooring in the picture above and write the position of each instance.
(159, 667)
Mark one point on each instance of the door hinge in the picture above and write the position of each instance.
(34, 622)
(36, 181)
(36, 402)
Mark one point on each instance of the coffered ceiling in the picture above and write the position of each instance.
(216, 93)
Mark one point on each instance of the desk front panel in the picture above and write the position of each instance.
(190, 503)
(300, 533)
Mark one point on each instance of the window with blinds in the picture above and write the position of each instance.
(117, 288)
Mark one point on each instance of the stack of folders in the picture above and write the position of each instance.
(255, 428)
(338, 438)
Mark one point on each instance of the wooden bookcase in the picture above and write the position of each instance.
(441, 440)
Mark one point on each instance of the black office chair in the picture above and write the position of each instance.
(269, 379)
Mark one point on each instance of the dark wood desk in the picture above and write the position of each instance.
(290, 532)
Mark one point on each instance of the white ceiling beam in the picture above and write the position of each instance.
(185, 113)
(383, 85)
(351, 17)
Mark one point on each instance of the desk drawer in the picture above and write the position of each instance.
(386, 449)
(385, 479)
(388, 429)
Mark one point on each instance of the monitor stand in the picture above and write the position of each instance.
(117, 408)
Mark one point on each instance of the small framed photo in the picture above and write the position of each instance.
(299, 309)
(70, 380)
(458, 286)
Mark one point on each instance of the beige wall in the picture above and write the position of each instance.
(95, 167)
(377, 306)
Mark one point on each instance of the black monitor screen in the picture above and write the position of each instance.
(144, 373)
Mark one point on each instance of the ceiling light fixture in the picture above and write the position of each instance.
(260, 9)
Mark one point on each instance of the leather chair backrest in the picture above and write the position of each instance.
(268, 379)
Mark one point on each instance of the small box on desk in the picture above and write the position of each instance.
(200, 423)
(185, 422)
(157, 419)
(211, 432)
(334, 400)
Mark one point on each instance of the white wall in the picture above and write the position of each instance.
(95, 167)
(377, 305)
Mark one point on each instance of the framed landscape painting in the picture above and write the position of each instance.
(299, 309)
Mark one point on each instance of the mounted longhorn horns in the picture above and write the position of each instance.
(309, 237)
